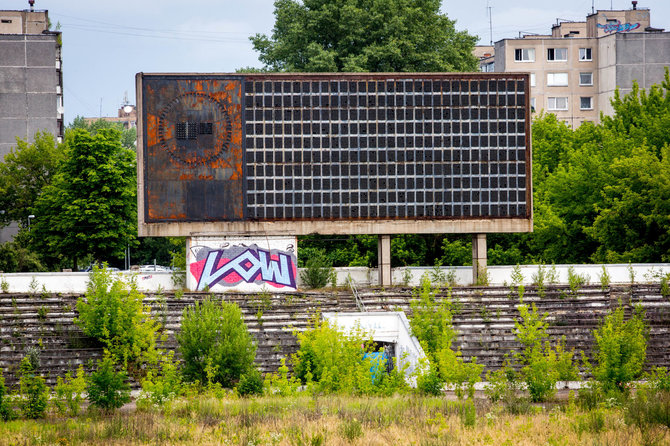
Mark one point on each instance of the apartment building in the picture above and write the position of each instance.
(31, 78)
(575, 70)
(31, 83)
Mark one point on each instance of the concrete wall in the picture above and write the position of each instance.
(361, 276)
(29, 87)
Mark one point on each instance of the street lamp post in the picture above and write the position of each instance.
(30, 217)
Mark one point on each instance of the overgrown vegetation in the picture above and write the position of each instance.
(318, 271)
(112, 311)
(431, 321)
(620, 350)
(214, 343)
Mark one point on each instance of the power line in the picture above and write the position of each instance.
(159, 34)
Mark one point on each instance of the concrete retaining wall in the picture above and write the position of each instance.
(409, 276)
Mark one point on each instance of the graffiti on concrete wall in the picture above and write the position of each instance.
(242, 264)
(618, 27)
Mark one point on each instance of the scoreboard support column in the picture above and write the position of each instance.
(384, 259)
(478, 256)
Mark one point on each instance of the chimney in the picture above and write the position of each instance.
(634, 5)
(32, 5)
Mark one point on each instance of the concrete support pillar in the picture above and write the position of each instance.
(478, 256)
(384, 258)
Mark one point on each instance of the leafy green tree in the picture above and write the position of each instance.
(26, 170)
(16, 258)
(364, 35)
(90, 207)
(633, 221)
(128, 136)
(643, 115)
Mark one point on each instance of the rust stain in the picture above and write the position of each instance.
(152, 130)
(205, 177)
(186, 176)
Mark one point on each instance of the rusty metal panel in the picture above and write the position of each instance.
(348, 147)
(193, 169)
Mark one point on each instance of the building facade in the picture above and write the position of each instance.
(31, 83)
(576, 69)
(31, 78)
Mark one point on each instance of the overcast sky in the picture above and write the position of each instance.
(106, 42)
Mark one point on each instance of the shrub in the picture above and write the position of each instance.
(68, 393)
(5, 410)
(620, 350)
(164, 384)
(542, 364)
(430, 382)
(330, 361)
(576, 281)
(251, 383)
(318, 270)
(214, 333)
(351, 430)
(659, 379)
(107, 388)
(33, 388)
(649, 411)
(112, 312)
(432, 323)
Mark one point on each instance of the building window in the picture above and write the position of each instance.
(6, 21)
(557, 79)
(586, 78)
(585, 54)
(524, 55)
(488, 67)
(532, 104)
(586, 103)
(557, 54)
(559, 103)
(532, 79)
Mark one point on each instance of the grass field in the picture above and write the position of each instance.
(336, 420)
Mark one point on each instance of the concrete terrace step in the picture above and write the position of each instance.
(484, 319)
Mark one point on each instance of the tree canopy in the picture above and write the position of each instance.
(364, 35)
(23, 174)
(90, 206)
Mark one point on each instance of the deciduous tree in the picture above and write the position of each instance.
(364, 35)
(90, 208)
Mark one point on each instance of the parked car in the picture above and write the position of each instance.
(155, 268)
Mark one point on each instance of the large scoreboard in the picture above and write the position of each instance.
(253, 154)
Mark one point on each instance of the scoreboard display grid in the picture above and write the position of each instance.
(385, 148)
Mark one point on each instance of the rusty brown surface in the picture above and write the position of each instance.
(185, 176)
(209, 179)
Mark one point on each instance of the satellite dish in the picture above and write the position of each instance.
(128, 108)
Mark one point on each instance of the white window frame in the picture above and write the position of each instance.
(557, 79)
(581, 105)
(585, 54)
(532, 79)
(553, 52)
(584, 84)
(553, 102)
(532, 104)
(529, 54)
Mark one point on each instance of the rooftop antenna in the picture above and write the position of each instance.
(593, 6)
(490, 23)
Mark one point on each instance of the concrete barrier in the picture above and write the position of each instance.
(69, 282)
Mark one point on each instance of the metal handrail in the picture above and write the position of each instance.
(357, 298)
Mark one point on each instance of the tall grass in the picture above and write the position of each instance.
(332, 420)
